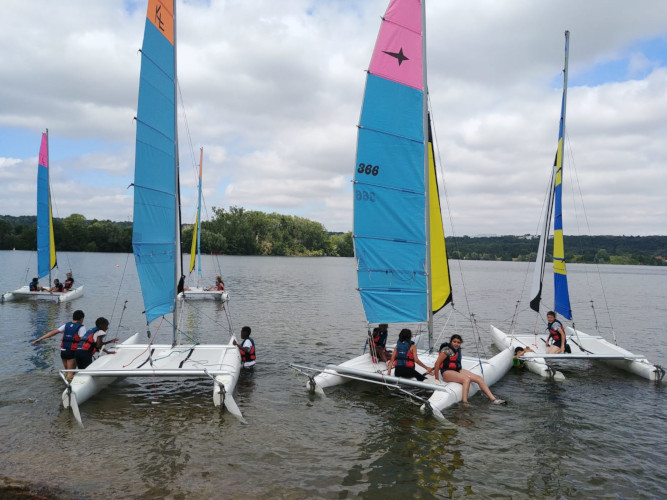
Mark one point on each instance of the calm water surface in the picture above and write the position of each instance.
(601, 433)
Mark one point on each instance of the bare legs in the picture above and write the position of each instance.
(465, 378)
(69, 364)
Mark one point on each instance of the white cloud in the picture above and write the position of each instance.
(272, 90)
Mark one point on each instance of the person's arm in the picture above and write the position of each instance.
(390, 363)
(46, 336)
(99, 343)
(438, 362)
(413, 348)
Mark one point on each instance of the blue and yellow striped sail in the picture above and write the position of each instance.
(46, 247)
(561, 293)
(391, 183)
(555, 209)
(155, 224)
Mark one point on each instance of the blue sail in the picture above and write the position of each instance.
(154, 238)
(390, 191)
(561, 293)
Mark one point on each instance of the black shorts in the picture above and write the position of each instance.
(405, 372)
(83, 359)
(67, 354)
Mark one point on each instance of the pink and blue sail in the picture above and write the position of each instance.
(390, 222)
(155, 237)
(46, 248)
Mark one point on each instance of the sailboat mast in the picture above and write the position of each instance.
(427, 206)
(201, 167)
(177, 216)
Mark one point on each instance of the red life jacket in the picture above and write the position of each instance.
(452, 362)
(250, 355)
(88, 342)
(553, 331)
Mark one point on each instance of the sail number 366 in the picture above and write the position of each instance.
(368, 169)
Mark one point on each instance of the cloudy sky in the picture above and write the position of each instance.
(272, 91)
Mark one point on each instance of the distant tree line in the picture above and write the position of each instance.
(233, 232)
(237, 231)
(644, 250)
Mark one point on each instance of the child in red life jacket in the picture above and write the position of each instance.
(450, 367)
(247, 348)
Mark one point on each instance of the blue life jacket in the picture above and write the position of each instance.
(404, 356)
(379, 337)
(70, 336)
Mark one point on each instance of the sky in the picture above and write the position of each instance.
(272, 91)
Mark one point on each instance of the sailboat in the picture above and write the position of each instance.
(399, 243)
(156, 241)
(198, 292)
(582, 345)
(46, 248)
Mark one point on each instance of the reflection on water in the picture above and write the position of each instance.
(593, 435)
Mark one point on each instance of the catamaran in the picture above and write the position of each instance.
(156, 241)
(399, 243)
(582, 345)
(198, 292)
(46, 247)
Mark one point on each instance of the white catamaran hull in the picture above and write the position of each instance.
(583, 346)
(24, 293)
(444, 394)
(492, 370)
(222, 363)
(535, 365)
(203, 294)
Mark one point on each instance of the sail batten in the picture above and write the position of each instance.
(394, 177)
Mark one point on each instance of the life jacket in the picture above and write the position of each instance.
(69, 283)
(553, 331)
(88, 342)
(34, 286)
(70, 336)
(452, 362)
(404, 356)
(59, 287)
(250, 355)
(379, 337)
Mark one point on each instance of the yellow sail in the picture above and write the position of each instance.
(441, 290)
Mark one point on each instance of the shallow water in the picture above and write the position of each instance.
(599, 433)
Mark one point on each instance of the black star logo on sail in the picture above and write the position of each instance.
(400, 57)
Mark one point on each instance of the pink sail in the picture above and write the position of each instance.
(398, 51)
(44, 152)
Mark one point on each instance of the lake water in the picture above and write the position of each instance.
(601, 433)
